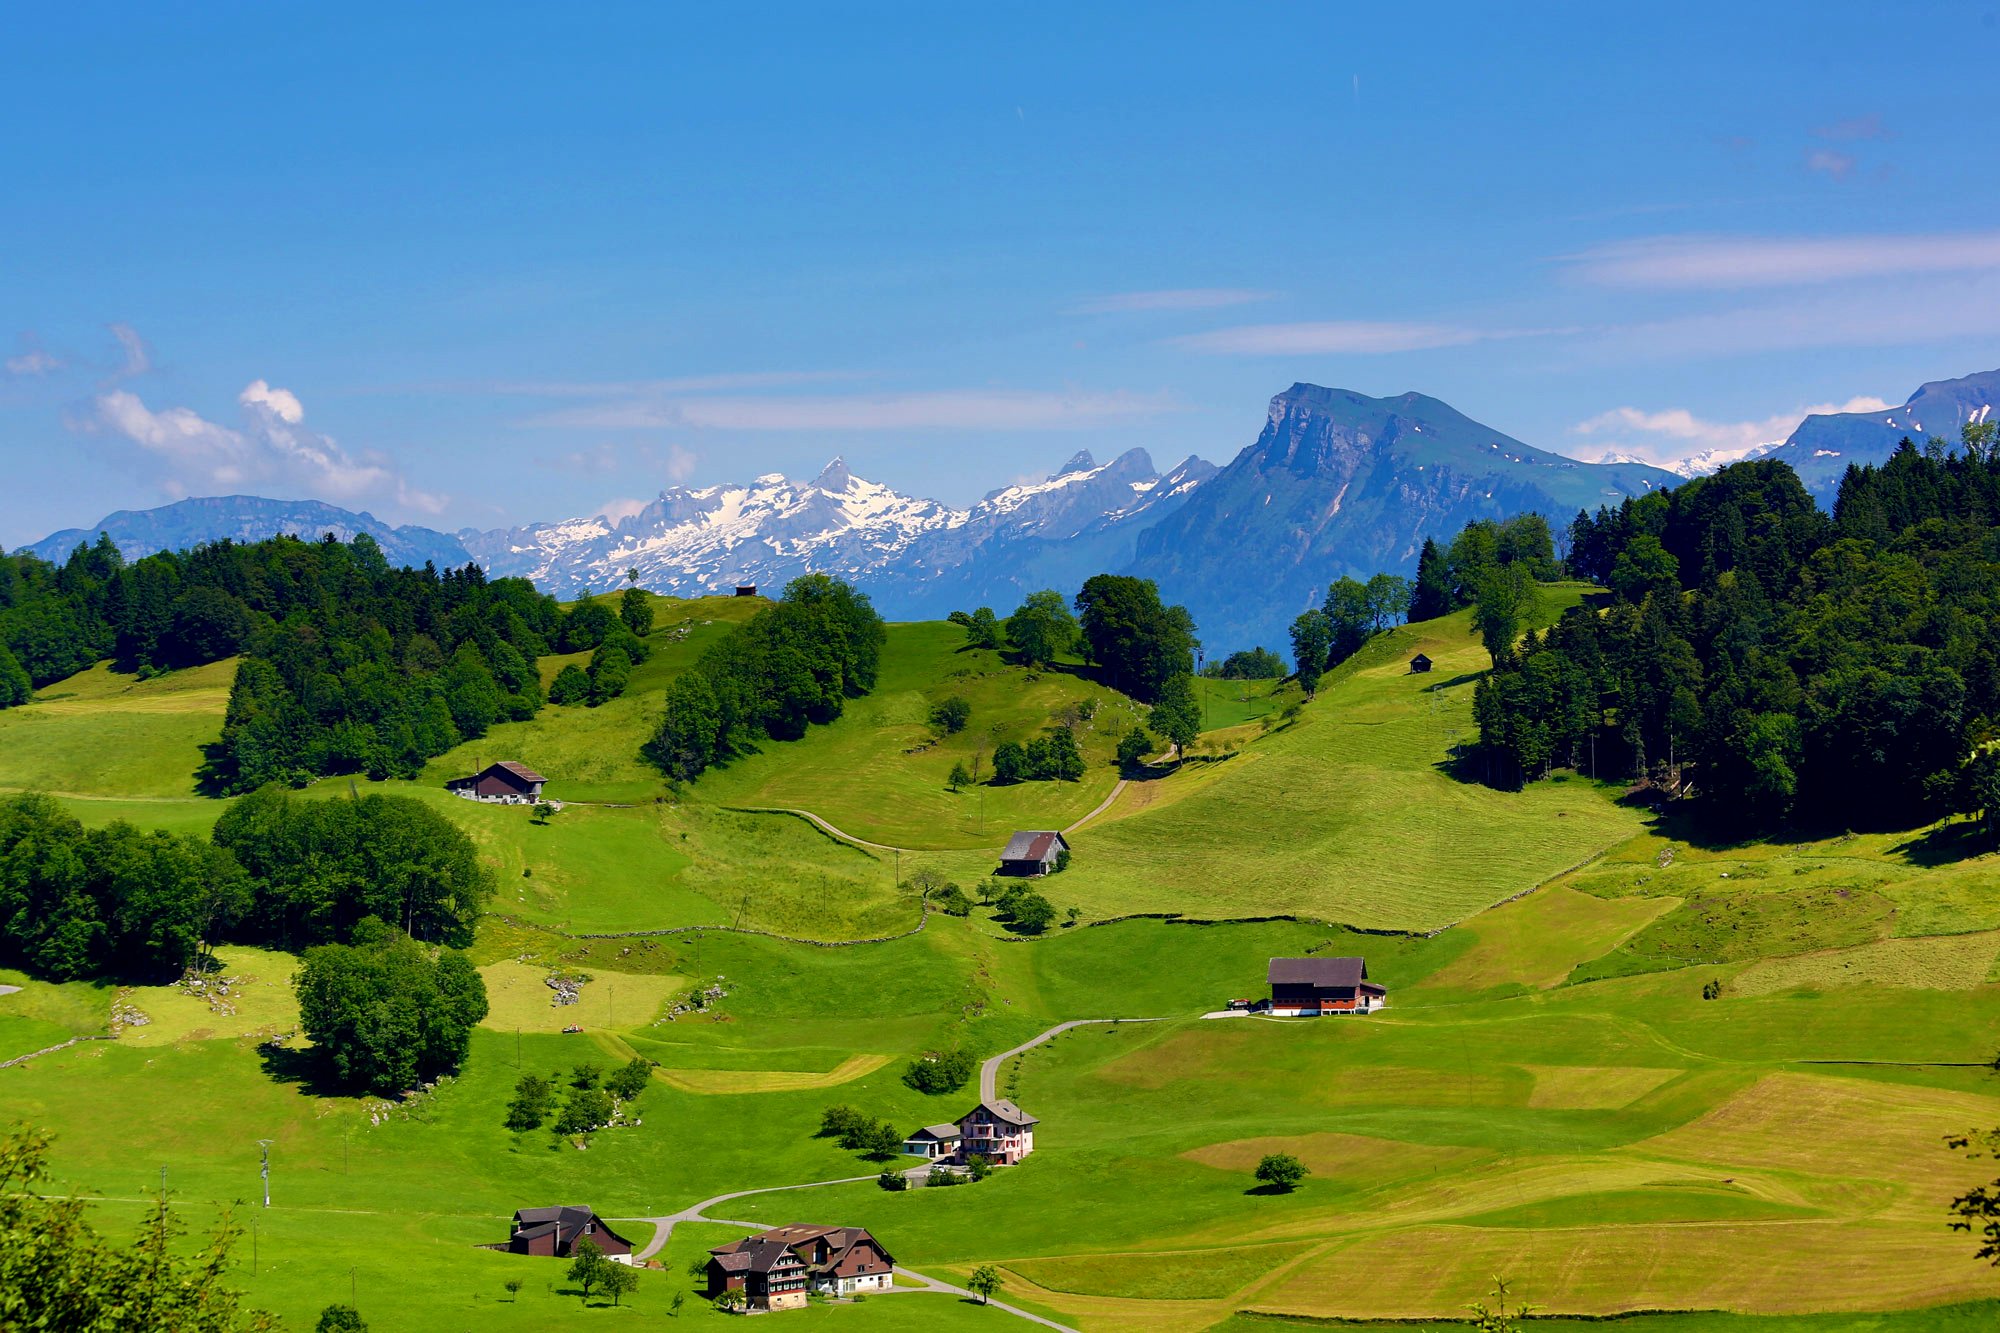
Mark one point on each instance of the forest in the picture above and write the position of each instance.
(791, 665)
(348, 665)
(1782, 666)
(132, 905)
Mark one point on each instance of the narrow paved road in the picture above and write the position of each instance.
(809, 816)
(989, 1073)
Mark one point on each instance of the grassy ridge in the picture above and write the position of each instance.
(1350, 813)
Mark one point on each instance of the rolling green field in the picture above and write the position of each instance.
(1547, 1096)
(1349, 813)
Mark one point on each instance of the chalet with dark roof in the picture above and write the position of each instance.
(506, 783)
(1032, 852)
(779, 1268)
(553, 1233)
(1310, 987)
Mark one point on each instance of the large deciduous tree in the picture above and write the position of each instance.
(386, 1014)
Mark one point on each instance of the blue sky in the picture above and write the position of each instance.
(495, 264)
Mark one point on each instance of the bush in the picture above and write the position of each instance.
(1133, 747)
(960, 778)
(630, 1079)
(950, 715)
(1029, 912)
(534, 1101)
(954, 902)
(585, 1109)
(940, 1074)
(571, 686)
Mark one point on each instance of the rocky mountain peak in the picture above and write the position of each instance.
(834, 476)
(1080, 461)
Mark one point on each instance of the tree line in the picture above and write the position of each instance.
(1782, 665)
(348, 665)
(120, 903)
(1490, 566)
(791, 665)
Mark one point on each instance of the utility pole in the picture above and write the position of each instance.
(265, 1172)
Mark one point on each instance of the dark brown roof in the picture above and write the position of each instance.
(1337, 973)
(1033, 845)
(521, 771)
(768, 1249)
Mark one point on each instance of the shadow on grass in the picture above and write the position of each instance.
(303, 1069)
(1271, 1191)
(1944, 844)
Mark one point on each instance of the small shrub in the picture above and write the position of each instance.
(939, 1074)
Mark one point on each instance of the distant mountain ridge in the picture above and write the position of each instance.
(1336, 483)
(1823, 446)
(249, 518)
(1339, 483)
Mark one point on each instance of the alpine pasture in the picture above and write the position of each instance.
(1550, 1095)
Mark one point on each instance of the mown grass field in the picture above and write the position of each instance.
(879, 771)
(102, 734)
(1350, 813)
(1548, 1096)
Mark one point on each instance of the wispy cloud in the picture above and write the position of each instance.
(137, 356)
(1674, 434)
(950, 409)
(1827, 162)
(32, 362)
(1342, 337)
(1725, 262)
(272, 446)
(1853, 128)
(1171, 298)
(754, 379)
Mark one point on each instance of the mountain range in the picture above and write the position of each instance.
(1335, 483)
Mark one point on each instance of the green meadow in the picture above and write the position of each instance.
(1549, 1095)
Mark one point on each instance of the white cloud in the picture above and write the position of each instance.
(620, 510)
(138, 356)
(1724, 262)
(1676, 434)
(1855, 127)
(270, 449)
(951, 409)
(1827, 162)
(32, 362)
(1332, 337)
(1173, 298)
(282, 403)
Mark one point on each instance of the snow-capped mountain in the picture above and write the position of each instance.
(1698, 464)
(918, 556)
(1823, 446)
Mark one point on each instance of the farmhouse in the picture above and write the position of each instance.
(554, 1232)
(998, 1130)
(776, 1269)
(939, 1143)
(1420, 664)
(1315, 986)
(1032, 852)
(506, 782)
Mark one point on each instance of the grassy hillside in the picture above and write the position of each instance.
(1350, 813)
(879, 772)
(1613, 1145)
(102, 734)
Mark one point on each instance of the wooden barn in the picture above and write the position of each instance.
(506, 782)
(1032, 852)
(1309, 987)
(1419, 664)
(553, 1233)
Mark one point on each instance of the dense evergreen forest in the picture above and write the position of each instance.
(1784, 666)
(790, 665)
(349, 665)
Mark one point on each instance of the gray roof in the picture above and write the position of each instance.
(1003, 1110)
(939, 1131)
(1033, 845)
(1339, 973)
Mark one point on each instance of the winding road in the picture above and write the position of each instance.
(989, 1078)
